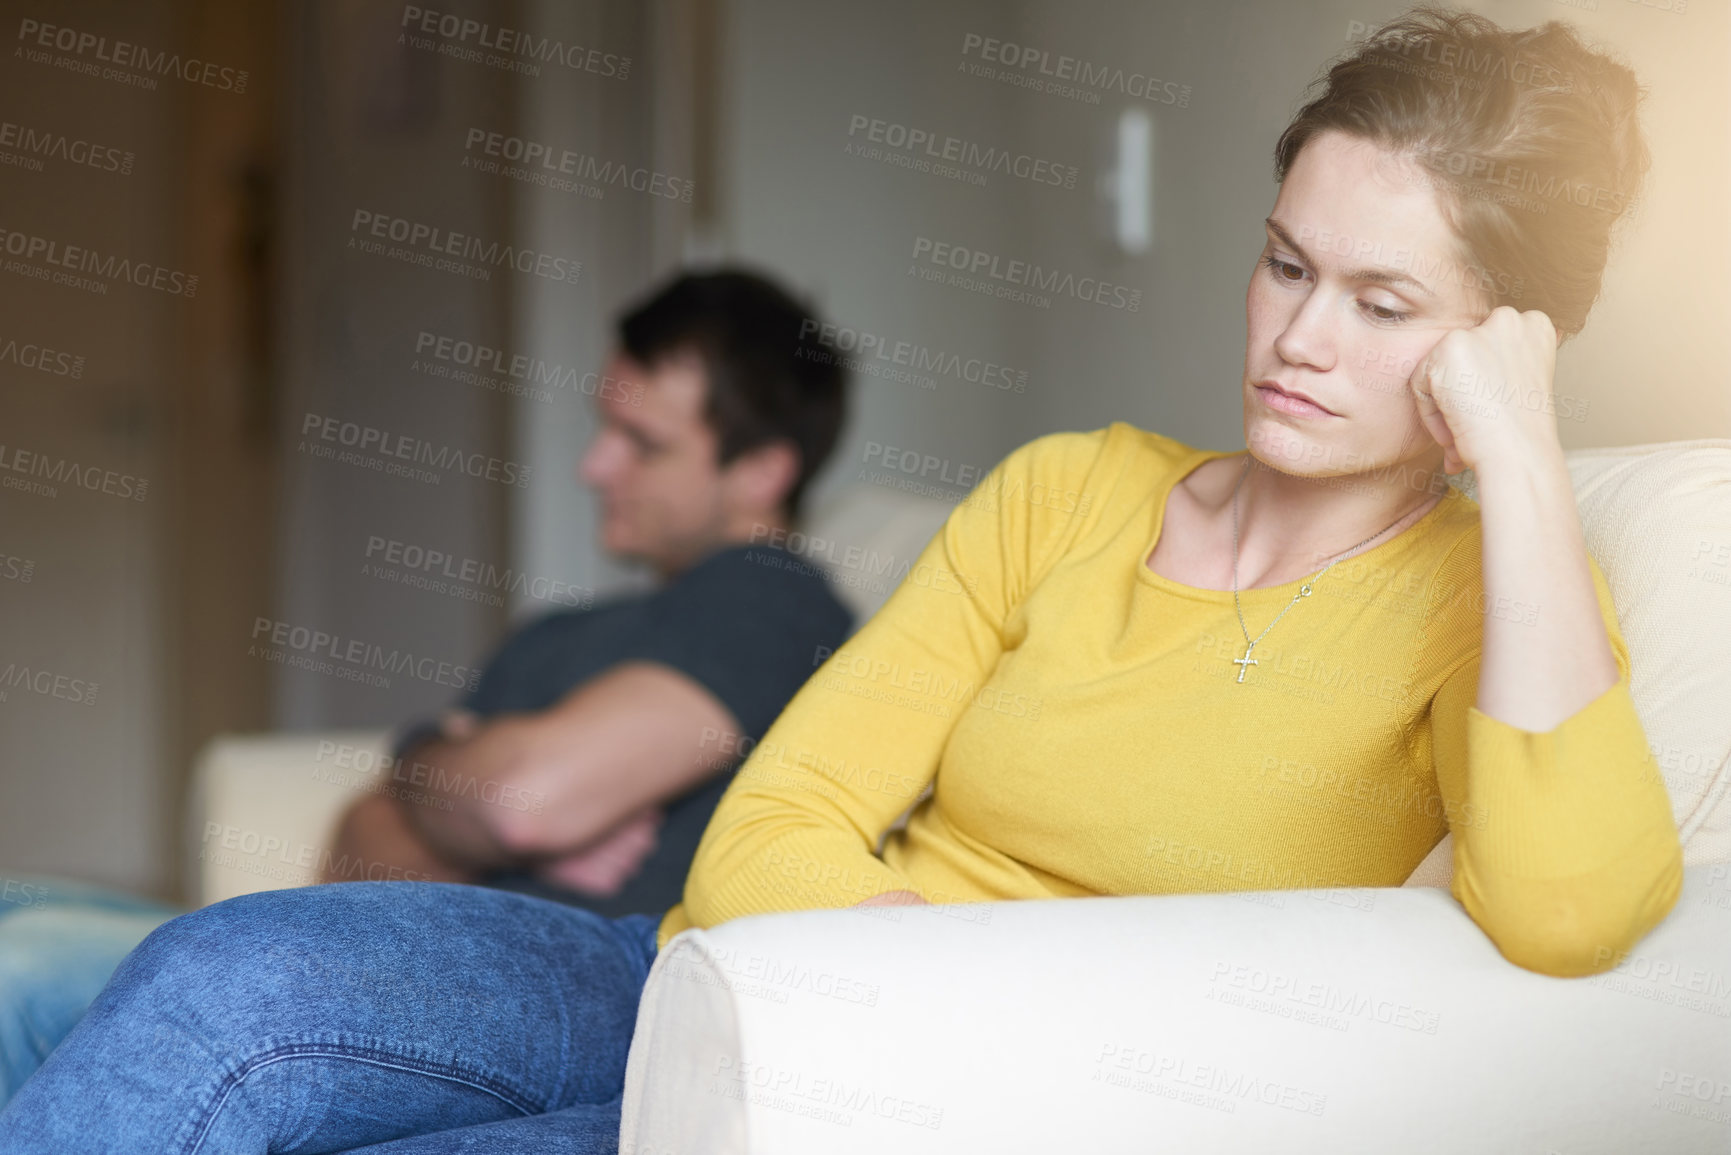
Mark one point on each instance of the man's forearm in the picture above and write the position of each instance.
(464, 778)
(527, 788)
(375, 832)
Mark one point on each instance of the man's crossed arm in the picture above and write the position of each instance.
(572, 791)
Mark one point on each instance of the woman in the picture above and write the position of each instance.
(1124, 666)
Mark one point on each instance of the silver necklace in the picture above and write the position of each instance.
(1247, 661)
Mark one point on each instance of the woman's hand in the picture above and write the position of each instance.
(602, 869)
(1485, 393)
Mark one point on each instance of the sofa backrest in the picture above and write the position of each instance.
(1657, 519)
(866, 537)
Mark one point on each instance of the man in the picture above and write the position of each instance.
(587, 760)
(614, 721)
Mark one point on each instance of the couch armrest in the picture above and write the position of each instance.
(1324, 1020)
(264, 806)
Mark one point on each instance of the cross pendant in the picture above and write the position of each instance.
(1245, 662)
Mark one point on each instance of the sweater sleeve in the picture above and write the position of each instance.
(1565, 848)
(861, 739)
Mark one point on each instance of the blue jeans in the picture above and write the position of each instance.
(394, 1018)
(59, 942)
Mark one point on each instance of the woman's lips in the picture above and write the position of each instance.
(1275, 399)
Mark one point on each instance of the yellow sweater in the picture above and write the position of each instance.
(1086, 732)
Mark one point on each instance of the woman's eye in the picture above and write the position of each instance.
(1383, 313)
(1280, 267)
(1280, 270)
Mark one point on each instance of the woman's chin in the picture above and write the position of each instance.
(1282, 447)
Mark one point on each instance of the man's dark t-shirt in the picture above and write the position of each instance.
(744, 623)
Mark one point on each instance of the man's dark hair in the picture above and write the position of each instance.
(769, 377)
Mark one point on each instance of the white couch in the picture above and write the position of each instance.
(1329, 1020)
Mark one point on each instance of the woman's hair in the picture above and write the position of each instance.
(1530, 138)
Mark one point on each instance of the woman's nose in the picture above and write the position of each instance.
(1309, 337)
